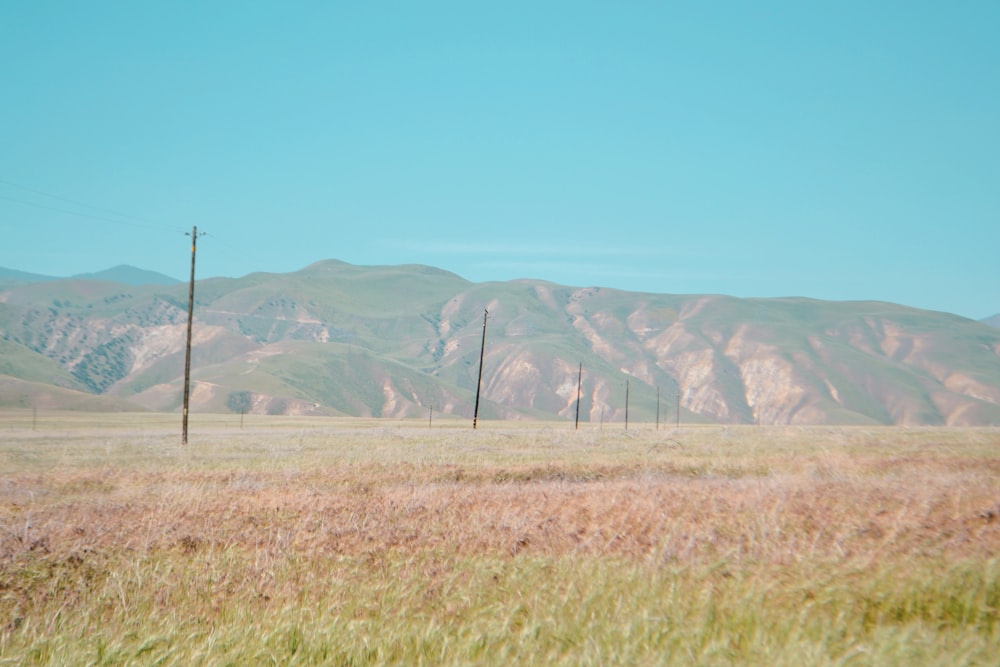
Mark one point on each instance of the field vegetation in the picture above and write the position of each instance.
(318, 541)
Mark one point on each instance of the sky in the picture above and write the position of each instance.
(842, 150)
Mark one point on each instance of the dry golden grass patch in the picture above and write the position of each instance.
(641, 513)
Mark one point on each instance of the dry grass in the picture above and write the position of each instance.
(341, 542)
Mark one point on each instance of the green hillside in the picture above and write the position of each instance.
(397, 341)
(18, 361)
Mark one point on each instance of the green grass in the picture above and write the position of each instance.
(222, 606)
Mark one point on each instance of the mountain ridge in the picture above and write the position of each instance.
(397, 341)
(123, 273)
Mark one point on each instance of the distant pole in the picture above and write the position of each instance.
(657, 407)
(34, 419)
(430, 418)
(626, 405)
(187, 347)
(579, 387)
(243, 411)
(678, 407)
(479, 382)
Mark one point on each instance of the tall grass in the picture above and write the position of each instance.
(319, 542)
(226, 607)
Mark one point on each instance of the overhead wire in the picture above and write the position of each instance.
(103, 214)
(231, 251)
(85, 215)
(128, 219)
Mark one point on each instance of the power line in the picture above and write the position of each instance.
(228, 249)
(234, 252)
(84, 215)
(130, 220)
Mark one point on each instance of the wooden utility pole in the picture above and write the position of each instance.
(187, 347)
(657, 407)
(678, 408)
(579, 387)
(626, 405)
(479, 382)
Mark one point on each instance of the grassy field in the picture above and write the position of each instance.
(346, 542)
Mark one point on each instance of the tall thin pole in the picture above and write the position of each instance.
(579, 387)
(657, 407)
(479, 382)
(678, 408)
(626, 405)
(187, 347)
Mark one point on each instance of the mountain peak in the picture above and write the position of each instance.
(129, 275)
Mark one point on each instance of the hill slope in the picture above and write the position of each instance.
(401, 340)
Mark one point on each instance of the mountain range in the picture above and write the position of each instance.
(405, 341)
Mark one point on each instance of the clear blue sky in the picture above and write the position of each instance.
(838, 150)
